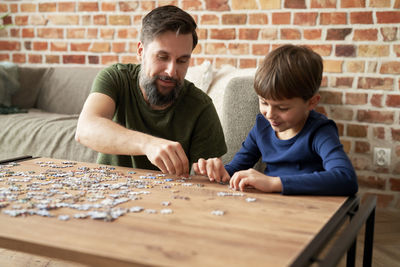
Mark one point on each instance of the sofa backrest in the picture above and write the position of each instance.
(55, 89)
(240, 108)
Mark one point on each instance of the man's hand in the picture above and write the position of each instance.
(212, 168)
(252, 178)
(168, 156)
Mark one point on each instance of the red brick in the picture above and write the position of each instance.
(107, 6)
(234, 19)
(312, 34)
(99, 19)
(333, 18)
(93, 59)
(215, 49)
(375, 83)
(361, 18)
(373, 50)
(392, 67)
(13, 33)
(36, 59)
(100, 47)
(356, 99)
(365, 35)
(395, 134)
(249, 34)
(371, 182)
(323, 50)
(389, 34)
(360, 163)
(3, 8)
(376, 100)
(341, 113)
(281, 18)
(346, 146)
(118, 47)
(189, 5)
(352, 3)
(66, 6)
(259, 18)
(223, 34)
(13, 8)
(338, 34)
(19, 58)
(394, 184)
(393, 101)
(268, 34)
(80, 46)
(58, 46)
(290, 34)
(295, 4)
(37, 19)
(202, 34)
(332, 98)
(240, 4)
(378, 132)
(373, 116)
(260, 49)
(209, 19)
(88, 6)
(50, 33)
(130, 33)
(4, 57)
(119, 20)
(345, 51)
(247, 63)
(52, 59)
(74, 59)
(107, 33)
(63, 19)
(388, 17)
(27, 7)
(219, 62)
(354, 130)
(305, 19)
(379, 3)
(28, 45)
(238, 49)
(47, 7)
(19, 20)
(92, 33)
(355, 66)
(343, 82)
(362, 147)
(217, 5)
(128, 6)
(108, 60)
(28, 33)
(396, 4)
(334, 66)
(323, 3)
(78, 33)
(10, 45)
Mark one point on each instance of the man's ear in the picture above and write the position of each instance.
(313, 102)
(139, 54)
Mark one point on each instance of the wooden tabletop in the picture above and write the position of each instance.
(271, 231)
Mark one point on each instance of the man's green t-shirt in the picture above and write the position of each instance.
(192, 120)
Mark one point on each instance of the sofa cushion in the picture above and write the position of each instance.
(42, 134)
(240, 108)
(30, 79)
(64, 90)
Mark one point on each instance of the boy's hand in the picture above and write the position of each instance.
(213, 168)
(256, 179)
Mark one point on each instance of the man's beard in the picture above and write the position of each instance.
(154, 97)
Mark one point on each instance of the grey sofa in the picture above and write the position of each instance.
(54, 97)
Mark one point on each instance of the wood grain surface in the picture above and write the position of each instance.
(271, 231)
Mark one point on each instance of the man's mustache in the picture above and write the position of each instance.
(166, 78)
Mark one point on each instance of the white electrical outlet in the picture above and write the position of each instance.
(382, 156)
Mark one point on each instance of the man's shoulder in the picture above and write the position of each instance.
(121, 67)
(192, 93)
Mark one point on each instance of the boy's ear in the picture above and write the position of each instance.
(313, 102)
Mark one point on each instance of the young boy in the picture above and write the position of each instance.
(300, 147)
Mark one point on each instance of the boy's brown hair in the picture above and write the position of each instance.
(289, 71)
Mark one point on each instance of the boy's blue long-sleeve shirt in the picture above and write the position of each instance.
(313, 162)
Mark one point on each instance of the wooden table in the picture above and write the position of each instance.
(274, 230)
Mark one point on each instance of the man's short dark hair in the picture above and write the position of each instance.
(167, 18)
(289, 71)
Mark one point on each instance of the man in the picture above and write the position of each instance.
(147, 116)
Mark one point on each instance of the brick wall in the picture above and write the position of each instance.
(358, 39)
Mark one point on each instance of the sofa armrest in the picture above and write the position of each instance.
(240, 108)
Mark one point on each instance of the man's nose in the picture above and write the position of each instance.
(171, 69)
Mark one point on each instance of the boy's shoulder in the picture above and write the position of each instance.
(316, 120)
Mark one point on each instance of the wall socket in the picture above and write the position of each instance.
(382, 156)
